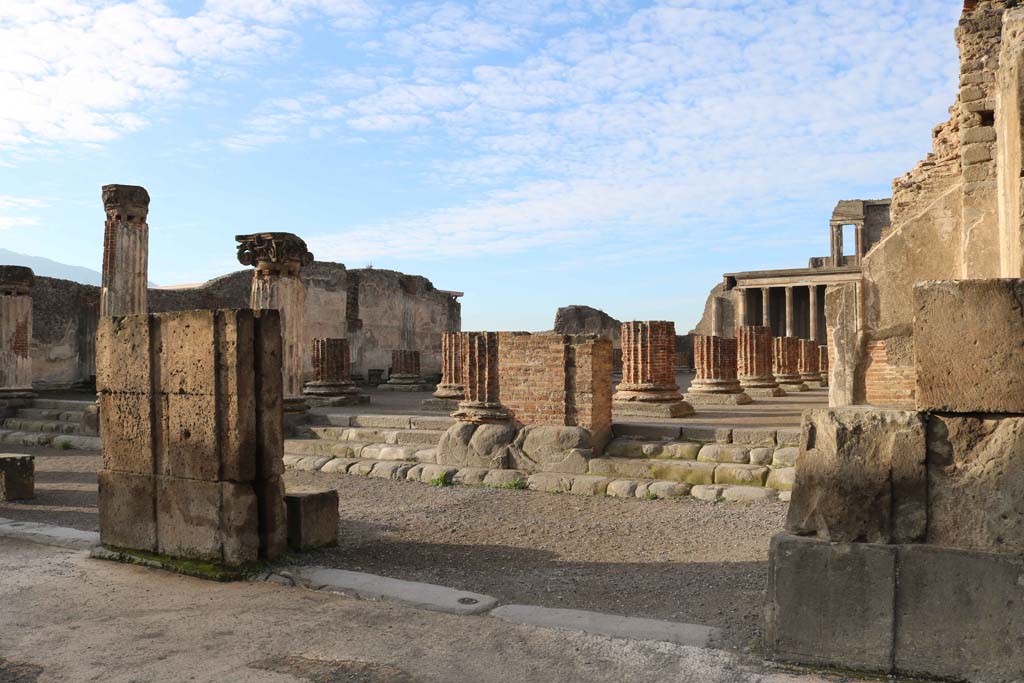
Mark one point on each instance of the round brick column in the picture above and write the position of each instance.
(716, 382)
(451, 386)
(786, 363)
(648, 385)
(16, 332)
(754, 362)
(480, 373)
(810, 362)
(405, 372)
(331, 372)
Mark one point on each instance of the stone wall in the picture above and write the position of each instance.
(64, 318)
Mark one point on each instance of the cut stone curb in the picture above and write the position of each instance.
(412, 593)
(46, 534)
(611, 625)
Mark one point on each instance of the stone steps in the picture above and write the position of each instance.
(42, 426)
(61, 404)
(49, 414)
(69, 441)
(393, 422)
(352, 449)
(403, 437)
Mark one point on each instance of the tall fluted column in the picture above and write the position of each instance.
(451, 386)
(15, 332)
(277, 284)
(754, 362)
(786, 363)
(716, 382)
(648, 386)
(741, 309)
(332, 384)
(405, 372)
(125, 250)
(480, 372)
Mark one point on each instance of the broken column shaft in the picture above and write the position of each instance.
(125, 250)
(451, 386)
(16, 332)
(786, 363)
(809, 363)
(648, 384)
(754, 362)
(716, 382)
(480, 372)
(405, 372)
(332, 383)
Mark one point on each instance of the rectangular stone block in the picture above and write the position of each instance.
(187, 448)
(269, 388)
(187, 352)
(123, 355)
(273, 518)
(976, 482)
(960, 614)
(240, 536)
(127, 511)
(126, 429)
(17, 476)
(861, 476)
(830, 604)
(236, 393)
(968, 336)
(753, 436)
(188, 517)
(312, 519)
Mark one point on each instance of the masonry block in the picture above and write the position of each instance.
(269, 388)
(312, 519)
(126, 510)
(17, 476)
(188, 514)
(273, 517)
(126, 428)
(123, 355)
(189, 448)
(187, 352)
(240, 538)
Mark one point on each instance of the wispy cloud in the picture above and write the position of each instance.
(15, 212)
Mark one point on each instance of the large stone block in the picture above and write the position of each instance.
(960, 614)
(312, 519)
(269, 388)
(976, 482)
(830, 604)
(126, 509)
(188, 446)
(240, 539)
(842, 316)
(123, 355)
(273, 518)
(187, 352)
(17, 476)
(126, 428)
(188, 514)
(861, 476)
(968, 337)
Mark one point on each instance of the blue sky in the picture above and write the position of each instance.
(531, 153)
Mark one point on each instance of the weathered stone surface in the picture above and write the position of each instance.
(467, 444)
(760, 456)
(741, 475)
(240, 538)
(830, 604)
(753, 436)
(708, 492)
(431, 473)
(676, 451)
(586, 485)
(668, 489)
(960, 614)
(312, 519)
(470, 476)
(724, 453)
(968, 336)
(188, 517)
(861, 476)
(273, 522)
(781, 478)
(622, 488)
(708, 434)
(503, 478)
(126, 427)
(748, 494)
(122, 355)
(17, 476)
(785, 457)
(788, 437)
(127, 511)
(681, 471)
(976, 482)
(551, 483)
(551, 449)
(390, 469)
(842, 305)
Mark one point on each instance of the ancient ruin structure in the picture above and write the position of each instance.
(125, 250)
(754, 362)
(278, 258)
(451, 389)
(332, 383)
(15, 332)
(480, 373)
(808, 364)
(405, 372)
(786, 363)
(823, 364)
(716, 382)
(648, 384)
(192, 424)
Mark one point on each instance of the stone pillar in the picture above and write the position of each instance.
(823, 364)
(786, 363)
(754, 362)
(790, 314)
(716, 382)
(277, 285)
(766, 310)
(648, 384)
(332, 384)
(741, 309)
(405, 372)
(480, 374)
(15, 332)
(809, 363)
(125, 250)
(451, 386)
(812, 294)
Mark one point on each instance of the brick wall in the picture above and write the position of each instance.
(887, 384)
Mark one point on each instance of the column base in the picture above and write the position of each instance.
(404, 383)
(794, 387)
(701, 399)
(764, 392)
(481, 413)
(338, 401)
(440, 405)
(7, 394)
(810, 378)
(453, 392)
(331, 389)
(678, 408)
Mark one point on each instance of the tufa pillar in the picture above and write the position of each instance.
(277, 285)
(648, 386)
(125, 250)
(786, 363)
(716, 382)
(15, 332)
(754, 362)
(480, 373)
(332, 384)
(405, 372)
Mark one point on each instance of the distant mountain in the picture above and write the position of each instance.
(48, 268)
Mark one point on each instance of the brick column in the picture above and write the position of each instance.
(809, 363)
(754, 362)
(823, 364)
(15, 332)
(451, 386)
(786, 363)
(277, 285)
(648, 384)
(125, 250)
(480, 373)
(716, 382)
(332, 384)
(405, 372)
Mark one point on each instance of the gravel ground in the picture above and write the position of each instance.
(683, 560)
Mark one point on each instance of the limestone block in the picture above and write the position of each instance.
(726, 453)
(470, 476)
(426, 455)
(622, 488)
(789, 436)
(741, 475)
(587, 485)
(781, 478)
(312, 519)
(311, 463)
(629, 448)
(269, 390)
(842, 314)
(785, 457)
(383, 422)
(830, 604)
(748, 494)
(123, 355)
(240, 536)
(187, 352)
(551, 483)
(669, 489)
(760, 456)
(414, 473)
(959, 614)
(126, 510)
(188, 517)
(708, 434)
(503, 478)
(551, 449)
(273, 522)
(17, 476)
(339, 465)
(648, 432)
(976, 482)
(754, 436)
(708, 492)
(390, 469)
(126, 428)
(430, 473)
(968, 336)
(188, 445)
(363, 467)
(681, 471)
(861, 476)
(678, 451)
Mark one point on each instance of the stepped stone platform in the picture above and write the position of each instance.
(58, 420)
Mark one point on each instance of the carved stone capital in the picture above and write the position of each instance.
(279, 249)
(126, 202)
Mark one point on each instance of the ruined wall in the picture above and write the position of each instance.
(1009, 118)
(64, 318)
(723, 305)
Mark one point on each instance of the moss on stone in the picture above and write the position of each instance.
(200, 569)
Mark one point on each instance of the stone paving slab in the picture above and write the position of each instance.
(48, 534)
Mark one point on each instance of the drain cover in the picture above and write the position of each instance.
(468, 601)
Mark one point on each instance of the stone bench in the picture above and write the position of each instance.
(17, 476)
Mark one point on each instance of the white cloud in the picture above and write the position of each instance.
(13, 211)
